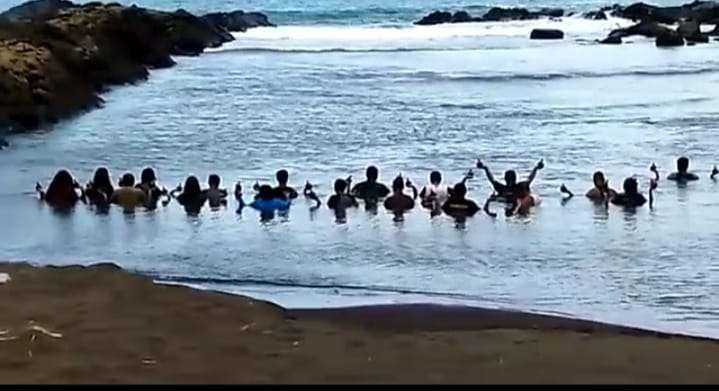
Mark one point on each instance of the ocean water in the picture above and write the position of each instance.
(341, 85)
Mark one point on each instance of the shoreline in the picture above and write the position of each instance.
(118, 327)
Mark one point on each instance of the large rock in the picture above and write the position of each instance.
(36, 10)
(669, 39)
(498, 14)
(595, 15)
(688, 28)
(647, 29)
(611, 40)
(436, 17)
(546, 34)
(238, 20)
(701, 11)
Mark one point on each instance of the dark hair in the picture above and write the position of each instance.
(266, 192)
(214, 180)
(372, 173)
(340, 186)
(435, 177)
(598, 177)
(510, 176)
(101, 180)
(62, 180)
(459, 190)
(282, 177)
(683, 164)
(127, 180)
(631, 186)
(398, 183)
(192, 186)
(148, 176)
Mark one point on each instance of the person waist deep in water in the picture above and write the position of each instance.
(148, 185)
(191, 196)
(282, 190)
(399, 202)
(505, 191)
(459, 206)
(631, 197)
(434, 195)
(99, 190)
(216, 196)
(62, 192)
(127, 195)
(682, 174)
(370, 190)
(601, 190)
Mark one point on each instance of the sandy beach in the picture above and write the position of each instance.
(101, 324)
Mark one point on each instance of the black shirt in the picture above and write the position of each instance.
(370, 191)
(399, 203)
(285, 192)
(629, 200)
(463, 207)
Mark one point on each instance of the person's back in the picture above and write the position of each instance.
(683, 174)
(268, 202)
(216, 197)
(434, 195)
(370, 190)
(458, 205)
(127, 195)
(398, 202)
(282, 190)
(601, 190)
(631, 196)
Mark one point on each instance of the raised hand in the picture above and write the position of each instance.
(479, 164)
(653, 168)
(38, 186)
(256, 186)
(715, 172)
(238, 188)
(540, 164)
(564, 189)
(308, 186)
(470, 174)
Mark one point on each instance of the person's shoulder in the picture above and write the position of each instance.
(692, 176)
(673, 176)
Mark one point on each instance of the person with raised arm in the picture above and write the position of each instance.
(99, 190)
(62, 192)
(216, 196)
(282, 189)
(398, 202)
(127, 195)
(371, 191)
(506, 191)
(715, 172)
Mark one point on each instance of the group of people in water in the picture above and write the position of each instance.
(64, 192)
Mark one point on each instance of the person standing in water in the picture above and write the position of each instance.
(434, 195)
(282, 189)
(459, 206)
(631, 197)
(370, 190)
(99, 190)
(505, 191)
(191, 197)
(148, 185)
(683, 174)
(341, 200)
(127, 195)
(601, 190)
(62, 191)
(523, 201)
(216, 197)
(267, 202)
(398, 202)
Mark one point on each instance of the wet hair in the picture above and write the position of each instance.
(214, 180)
(62, 180)
(435, 177)
(127, 180)
(372, 173)
(266, 192)
(148, 176)
(398, 183)
(599, 177)
(631, 186)
(282, 177)
(192, 186)
(340, 186)
(459, 190)
(510, 176)
(683, 164)
(101, 180)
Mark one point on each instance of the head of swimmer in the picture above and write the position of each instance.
(282, 177)
(192, 186)
(372, 174)
(340, 186)
(630, 186)
(435, 178)
(266, 193)
(459, 191)
(510, 177)
(599, 180)
(102, 178)
(127, 180)
(683, 165)
(148, 177)
(214, 181)
(62, 179)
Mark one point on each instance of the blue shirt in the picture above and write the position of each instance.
(268, 206)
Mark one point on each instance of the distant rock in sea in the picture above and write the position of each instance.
(546, 34)
(496, 14)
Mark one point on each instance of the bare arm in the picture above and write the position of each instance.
(533, 174)
(566, 191)
(486, 207)
(39, 190)
(487, 172)
(653, 169)
(413, 187)
(652, 187)
(715, 172)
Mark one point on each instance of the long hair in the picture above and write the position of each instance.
(102, 182)
(60, 182)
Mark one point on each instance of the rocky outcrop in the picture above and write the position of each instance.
(496, 14)
(595, 15)
(54, 62)
(700, 11)
(546, 34)
(646, 29)
(611, 40)
(238, 20)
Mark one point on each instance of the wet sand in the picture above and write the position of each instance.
(101, 324)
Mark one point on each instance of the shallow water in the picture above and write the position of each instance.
(326, 100)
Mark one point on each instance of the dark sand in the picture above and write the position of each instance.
(121, 328)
